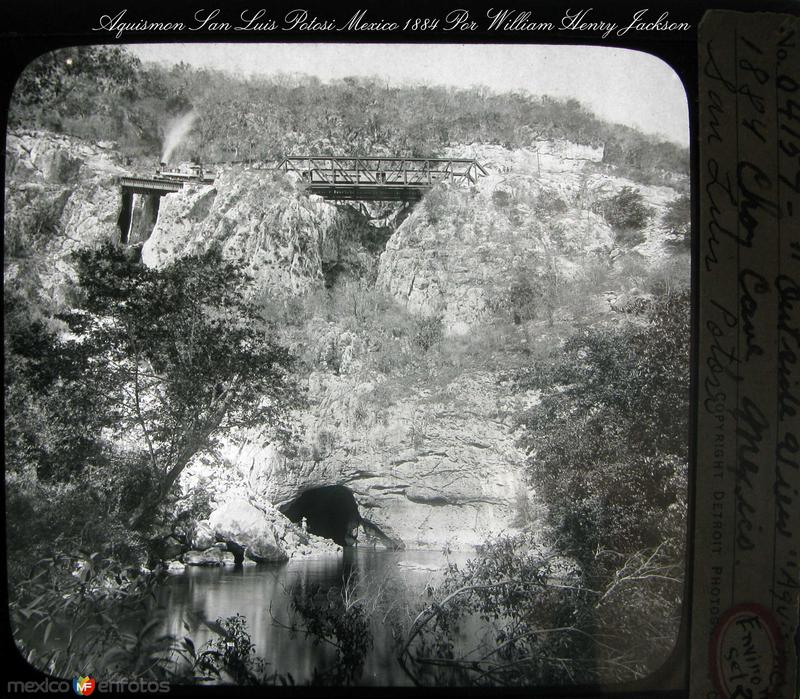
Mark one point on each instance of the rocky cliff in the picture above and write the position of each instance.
(535, 211)
(60, 195)
(288, 240)
(419, 429)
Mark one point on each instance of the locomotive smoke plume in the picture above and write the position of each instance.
(177, 129)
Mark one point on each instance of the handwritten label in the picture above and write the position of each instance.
(461, 21)
(747, 516)
(747, 653)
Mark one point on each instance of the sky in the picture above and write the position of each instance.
(619, 85)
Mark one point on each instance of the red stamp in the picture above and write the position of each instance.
(746, 653)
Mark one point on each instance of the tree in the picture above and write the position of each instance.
(608, 441)
(677, 221)
(535, 290)
(75, 82)
(68, 488)
(54, 419)
(181, 357)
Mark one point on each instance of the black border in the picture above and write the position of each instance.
(30, 28)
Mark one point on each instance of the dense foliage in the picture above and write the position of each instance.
(608, 455)
(146, 373)
(535, 619)
(608, 441)
(330, 617)
(182, 353)
(264, 118)
(91, 614)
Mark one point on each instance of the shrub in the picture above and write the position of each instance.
(501, 199)
(629, 237)
(88, 613)
(543, 622)
(231, 655)
(96, 616)
(436, 204)
(677, 222)
(624, 210)
(428, 331)
(534, 291)
(33, 227)
(337, 618)
(523, 296)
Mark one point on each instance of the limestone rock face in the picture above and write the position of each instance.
(426, 469)
(429, 464)
(60, 195)
(286, 239)
(262, 534)
(453, 256)
(437, 465)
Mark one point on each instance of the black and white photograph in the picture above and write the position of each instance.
(347, 364)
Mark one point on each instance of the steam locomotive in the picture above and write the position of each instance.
(192, 173)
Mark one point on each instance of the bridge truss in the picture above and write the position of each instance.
(339, 178)
(377, 178)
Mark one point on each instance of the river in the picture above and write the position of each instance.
(391, 585)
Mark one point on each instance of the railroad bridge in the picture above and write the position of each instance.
(377, 178)
(344, 178)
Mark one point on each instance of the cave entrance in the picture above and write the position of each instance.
(330, 511)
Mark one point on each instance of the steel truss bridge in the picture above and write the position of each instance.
(338, 178)
(377, 178)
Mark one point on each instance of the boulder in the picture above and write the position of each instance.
(175, 567)
(210, 557)
(169, 548)
(312, 545)
(228, 559)
(293, 539)
(242, 524)
(201, 536)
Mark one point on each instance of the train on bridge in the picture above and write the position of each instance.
(339, 178)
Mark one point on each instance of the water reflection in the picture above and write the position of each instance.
(388, 591)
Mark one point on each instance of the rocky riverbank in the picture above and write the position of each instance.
(240, 532)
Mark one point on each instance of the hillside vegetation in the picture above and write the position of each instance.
(102, 93)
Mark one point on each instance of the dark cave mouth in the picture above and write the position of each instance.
(330, 511)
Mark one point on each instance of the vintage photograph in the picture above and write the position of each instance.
(347, 364)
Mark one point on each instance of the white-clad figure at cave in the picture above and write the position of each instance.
(304, 524)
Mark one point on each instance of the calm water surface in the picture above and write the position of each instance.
(263, 594)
